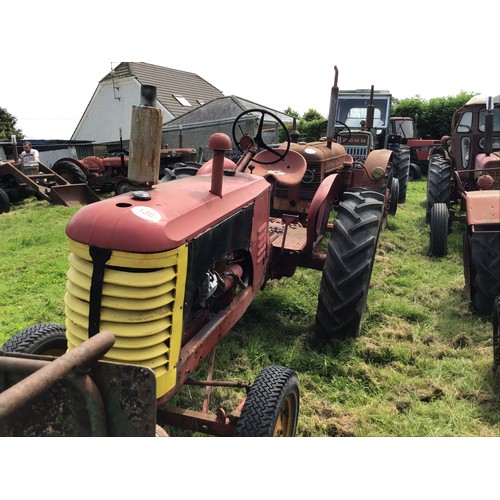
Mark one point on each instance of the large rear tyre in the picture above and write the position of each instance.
(48, 339)
(272, 405)
(485, 264)
(439, 177)
(495, 319)
(401, 168)
(69, 172)
(348, 267)
(439, 230)
(4, 201)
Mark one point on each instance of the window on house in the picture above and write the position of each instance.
(182, 100)
(201, 102)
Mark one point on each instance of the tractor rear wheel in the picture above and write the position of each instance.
(496, 342)
(69, 172)
(401, 168)
(348, 266)
(4, 201)
(438, 183)
(272, 405)
(47, 339)
(439, 230)
(485, 269)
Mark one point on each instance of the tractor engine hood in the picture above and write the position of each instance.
(167, 216)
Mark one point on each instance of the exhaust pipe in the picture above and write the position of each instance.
(332, 113)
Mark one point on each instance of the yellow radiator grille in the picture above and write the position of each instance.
(141, 304)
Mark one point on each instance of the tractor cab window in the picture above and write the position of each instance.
(465, 147)
(352, 111)
(465, 123)
(404, 128)
(496, 119)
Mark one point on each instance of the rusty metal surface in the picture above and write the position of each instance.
(483, 207)
(44, 396)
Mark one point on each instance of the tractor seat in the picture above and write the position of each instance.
(288, 171)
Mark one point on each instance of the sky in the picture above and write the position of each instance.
(276, 53)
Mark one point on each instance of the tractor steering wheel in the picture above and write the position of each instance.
(258, 138)
(341, 139)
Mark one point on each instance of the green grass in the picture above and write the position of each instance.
(422, 365)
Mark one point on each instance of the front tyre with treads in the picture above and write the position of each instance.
(46, 339)
(271, 408)
(439, 178)
(348, 267)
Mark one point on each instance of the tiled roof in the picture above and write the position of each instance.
(220, 109)
(168, 82)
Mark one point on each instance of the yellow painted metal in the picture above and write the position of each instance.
(141, 304)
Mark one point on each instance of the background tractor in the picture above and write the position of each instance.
(463, 185)
(365, 112)
(158, 277)
(109, 172)
(403, 130)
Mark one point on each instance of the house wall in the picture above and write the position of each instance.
(111, 109)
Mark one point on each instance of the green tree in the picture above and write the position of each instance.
(8, 126)
(433, 117)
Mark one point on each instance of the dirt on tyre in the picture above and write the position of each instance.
(439, 177)
(438, 244)
(348, 266)
(485, 269)
(271, 408)
(401, 169)
(47, 339)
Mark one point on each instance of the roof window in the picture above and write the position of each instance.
(182, 100)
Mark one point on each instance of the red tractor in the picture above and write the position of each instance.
(108, 172)
(402, 130)
(463, 185)
(170, 270)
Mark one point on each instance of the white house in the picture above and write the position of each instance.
(110, 108)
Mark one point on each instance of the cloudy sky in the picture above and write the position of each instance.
(276, 53)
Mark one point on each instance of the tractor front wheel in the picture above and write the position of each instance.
(348, 267)
(46, 339)
(439, 230)
(272, 405)
(394, 197)
(439, 177)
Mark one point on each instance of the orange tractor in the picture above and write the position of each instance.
(463, 185)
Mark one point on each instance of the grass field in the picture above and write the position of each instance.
(422, 365)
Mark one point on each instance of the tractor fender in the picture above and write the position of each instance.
(377, 159)
(482, 207)
(319, 210)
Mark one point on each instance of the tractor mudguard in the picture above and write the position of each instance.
(377, 159)
(482, 207)
(320, 208)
